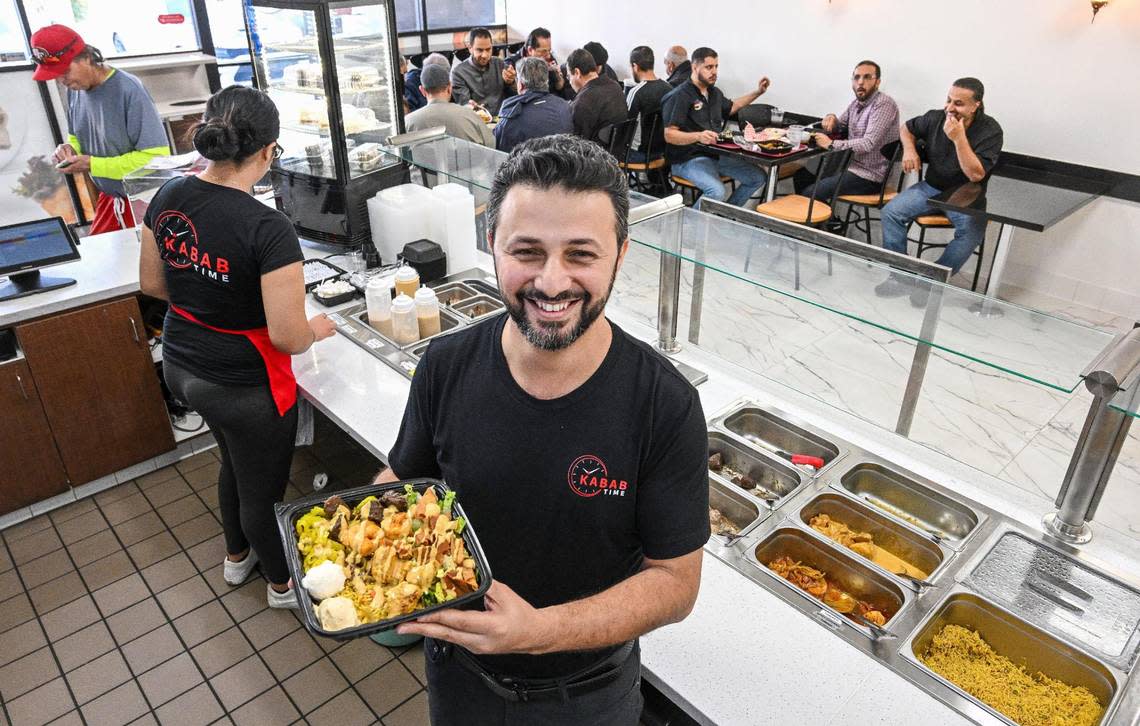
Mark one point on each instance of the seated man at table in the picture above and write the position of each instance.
(677, 65)
(484, 77)
(694, 113)
(535, 111)
(599, 102)
(539, 45)
(962, 144)
(460, 121)
(412, 93)
(644, 100)
(871, 121)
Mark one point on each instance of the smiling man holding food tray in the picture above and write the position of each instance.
(579, 453)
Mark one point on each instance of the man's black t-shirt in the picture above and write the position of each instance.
(943, 170)
(566, 495)
(600, 103)
(216, 242)
(687, 108)
(644, 100)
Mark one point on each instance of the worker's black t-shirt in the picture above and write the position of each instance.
(216, 242)
(690, 110)
(566, 495)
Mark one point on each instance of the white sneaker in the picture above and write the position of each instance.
(235, 573)
(276, 599)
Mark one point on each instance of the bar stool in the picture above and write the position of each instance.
(654, 164)
(867, 202)
(811, 210)
(940, 221)
(685, 187)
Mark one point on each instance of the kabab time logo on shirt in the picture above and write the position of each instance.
(589, 477)
(178, 240)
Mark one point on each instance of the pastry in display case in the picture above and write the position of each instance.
(331, 68)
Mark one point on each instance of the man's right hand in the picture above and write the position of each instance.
(706, 137)
(64, 151)
(322, 327)
(830, 123)
(911, 161)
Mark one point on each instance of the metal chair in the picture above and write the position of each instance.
(859, 206)
(654, 163)
(941, 221)
(618, 137)
(811, 211)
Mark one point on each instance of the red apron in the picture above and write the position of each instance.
(278, 365)
(112, 213)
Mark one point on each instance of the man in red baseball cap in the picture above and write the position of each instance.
(114, 125)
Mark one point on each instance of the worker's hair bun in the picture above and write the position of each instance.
(239, 121)
(217, 140)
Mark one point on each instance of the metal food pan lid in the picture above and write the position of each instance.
(288, 513)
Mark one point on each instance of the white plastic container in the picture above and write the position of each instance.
(407, 281)
(378, 298)
(399, 215)
(405, 328)
(454, 225)
(427, 312)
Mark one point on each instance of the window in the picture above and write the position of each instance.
(414, 16)
(462, 14)
(12, 45)
(227, 27)
(144, 27)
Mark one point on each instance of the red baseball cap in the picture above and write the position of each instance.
(53, 48)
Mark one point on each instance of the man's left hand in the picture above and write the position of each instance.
(508, 625)
(954, 128)
(79, 164)
(762, 86)
(509, 75)
(823, 141)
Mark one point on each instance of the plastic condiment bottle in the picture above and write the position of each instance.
(407, 280)
(378, 298)
(405, 328)
(427, 311)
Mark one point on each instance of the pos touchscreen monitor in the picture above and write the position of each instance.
(27, 247)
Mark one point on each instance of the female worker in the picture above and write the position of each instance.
(230, 267)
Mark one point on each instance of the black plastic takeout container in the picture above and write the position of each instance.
(289, 512)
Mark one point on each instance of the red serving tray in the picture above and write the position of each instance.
(732, 146)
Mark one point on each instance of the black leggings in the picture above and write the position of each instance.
(257, 449)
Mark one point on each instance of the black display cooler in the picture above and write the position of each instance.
(332, 69)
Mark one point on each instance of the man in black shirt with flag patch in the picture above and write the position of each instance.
(579, 453)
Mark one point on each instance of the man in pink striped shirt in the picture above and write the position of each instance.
(871, 122)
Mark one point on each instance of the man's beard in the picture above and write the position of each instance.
(551, 336)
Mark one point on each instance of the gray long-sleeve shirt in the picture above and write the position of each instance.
(482, 85)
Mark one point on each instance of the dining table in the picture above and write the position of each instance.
(770, 163)
(1017, 198)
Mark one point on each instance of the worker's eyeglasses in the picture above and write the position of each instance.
(278, 150)
(44, 57)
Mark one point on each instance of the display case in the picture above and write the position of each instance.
(331, 68)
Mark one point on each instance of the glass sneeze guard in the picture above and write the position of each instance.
(1016, 340)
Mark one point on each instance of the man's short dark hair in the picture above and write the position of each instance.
(642, 57)
(596, 49)
(582, 61)
(478, 33)
(700, 54)
(536, 35)
(878, 70)
(563, 161)
(973, 85)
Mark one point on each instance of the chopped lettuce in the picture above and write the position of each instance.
(448, 500)
(362, 502)
(460, 523)
(410, 495)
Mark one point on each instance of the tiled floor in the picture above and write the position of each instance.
(113, 611)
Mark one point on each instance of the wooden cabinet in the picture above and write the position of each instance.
(98, 387)
(30, 467)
